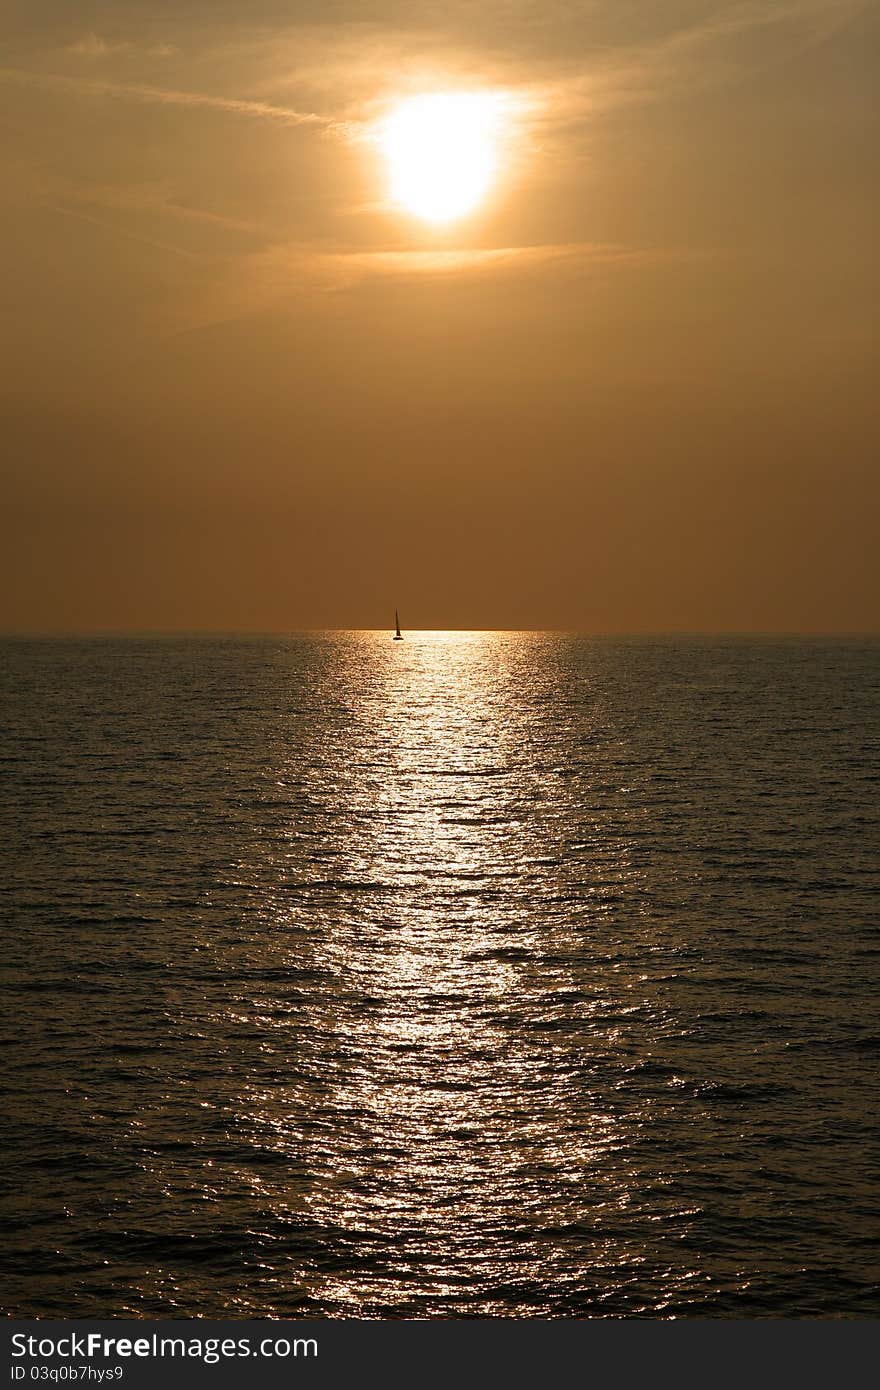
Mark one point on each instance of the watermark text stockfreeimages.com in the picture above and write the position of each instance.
(92, 1345)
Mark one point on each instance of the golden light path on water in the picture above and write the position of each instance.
(453, 1137)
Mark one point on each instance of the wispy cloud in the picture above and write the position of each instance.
(248, 285)
(115, 230)
(711, 53)
(156, 196)
(357, 264)
(163, 96)
(700, 55)
(93, 47)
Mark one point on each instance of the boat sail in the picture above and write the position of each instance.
(398, 635)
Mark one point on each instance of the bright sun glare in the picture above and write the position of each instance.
(441, 150)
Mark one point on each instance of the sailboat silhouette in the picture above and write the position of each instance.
(398, 635)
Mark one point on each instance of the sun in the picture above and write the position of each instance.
(441, 150)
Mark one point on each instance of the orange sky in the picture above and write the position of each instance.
(634, 391)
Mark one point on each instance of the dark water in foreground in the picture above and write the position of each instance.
(478, 974)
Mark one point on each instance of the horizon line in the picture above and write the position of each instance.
(626, 633)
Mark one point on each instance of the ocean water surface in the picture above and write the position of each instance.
(475, 975)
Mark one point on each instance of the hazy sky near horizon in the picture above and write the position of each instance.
(635, 390)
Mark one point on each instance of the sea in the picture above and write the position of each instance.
(477, 975)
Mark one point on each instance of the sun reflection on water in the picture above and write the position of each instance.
(446, 1126)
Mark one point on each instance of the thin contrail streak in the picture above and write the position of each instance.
(121, 231)
(162, 96)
